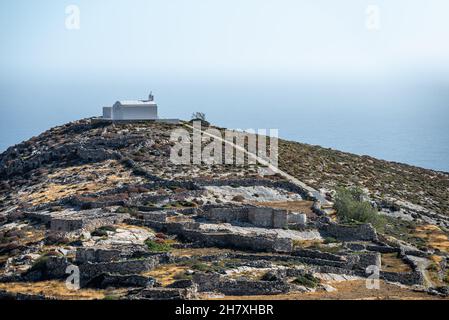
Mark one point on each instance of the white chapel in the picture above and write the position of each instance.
(132, 110)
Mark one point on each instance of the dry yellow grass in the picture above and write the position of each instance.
(192, 252)
(52, 192)
(90, 178)
(165, 274)
(347, 290)
(30, 236)
(307, 243)
(133, 227)
(55, 289)
(392, 263)
(254, 274)
(434, 237)
(436, 259)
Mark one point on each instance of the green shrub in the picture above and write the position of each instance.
(324, 248)
(330, 240)
(180, 204)
(150, 204)
(154, 246)
(433, 267)
(121, 210)
(99, 233)
(446, 277)
(216, 266)
(103, 231)
(40, 264)
(269, 276)
(238, 198)
(129, 210)
(111, 297)
(199, 266)
(307, 280)
(351, 207)
(108, 228)
(182, 276)
(56, 209)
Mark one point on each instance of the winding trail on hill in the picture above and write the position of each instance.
(315, 194)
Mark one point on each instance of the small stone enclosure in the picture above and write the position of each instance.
(263, 217)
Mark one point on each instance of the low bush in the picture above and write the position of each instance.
(99, 233)
(307, 280)
(103, 231)
(157, 246)
(352, 207)
(330, 240)
(111, 297)
(238, 198)
(182, 276)
(270, 276)
(130, 210)
(446, 277)
(108, 228)
(160, 235)
(56, 239)
(180, 204)
(40, 264)
(199, 266)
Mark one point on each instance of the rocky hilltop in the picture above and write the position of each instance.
(96, 210)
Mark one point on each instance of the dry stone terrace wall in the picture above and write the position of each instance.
(138, 189)
(297, 259)
(5, 295)
(362, 232)
(237, 241)
(347, 262)
(189, 231)
(86, 224)
(213, 282)
(58, 154)
(263, 217)
(282, 184)
(50, 268)
(297, 218)
(268, 217)
(117, 253)
(70, 221)
(89, 271)
(121, 196)
(165, 294)
(131, 195)
(107, 280)
(226, 213)
(27, 156)
(350, 264)
(364, 260)
(99, 266)
(405, 278)
(316, 254)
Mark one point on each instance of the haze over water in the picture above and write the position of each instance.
(405, 123)
(310, 69)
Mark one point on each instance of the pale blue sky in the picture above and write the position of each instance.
(232, 36)
(307, 67)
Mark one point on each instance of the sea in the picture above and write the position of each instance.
(401, 118)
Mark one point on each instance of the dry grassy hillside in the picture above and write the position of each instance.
(326, 168)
